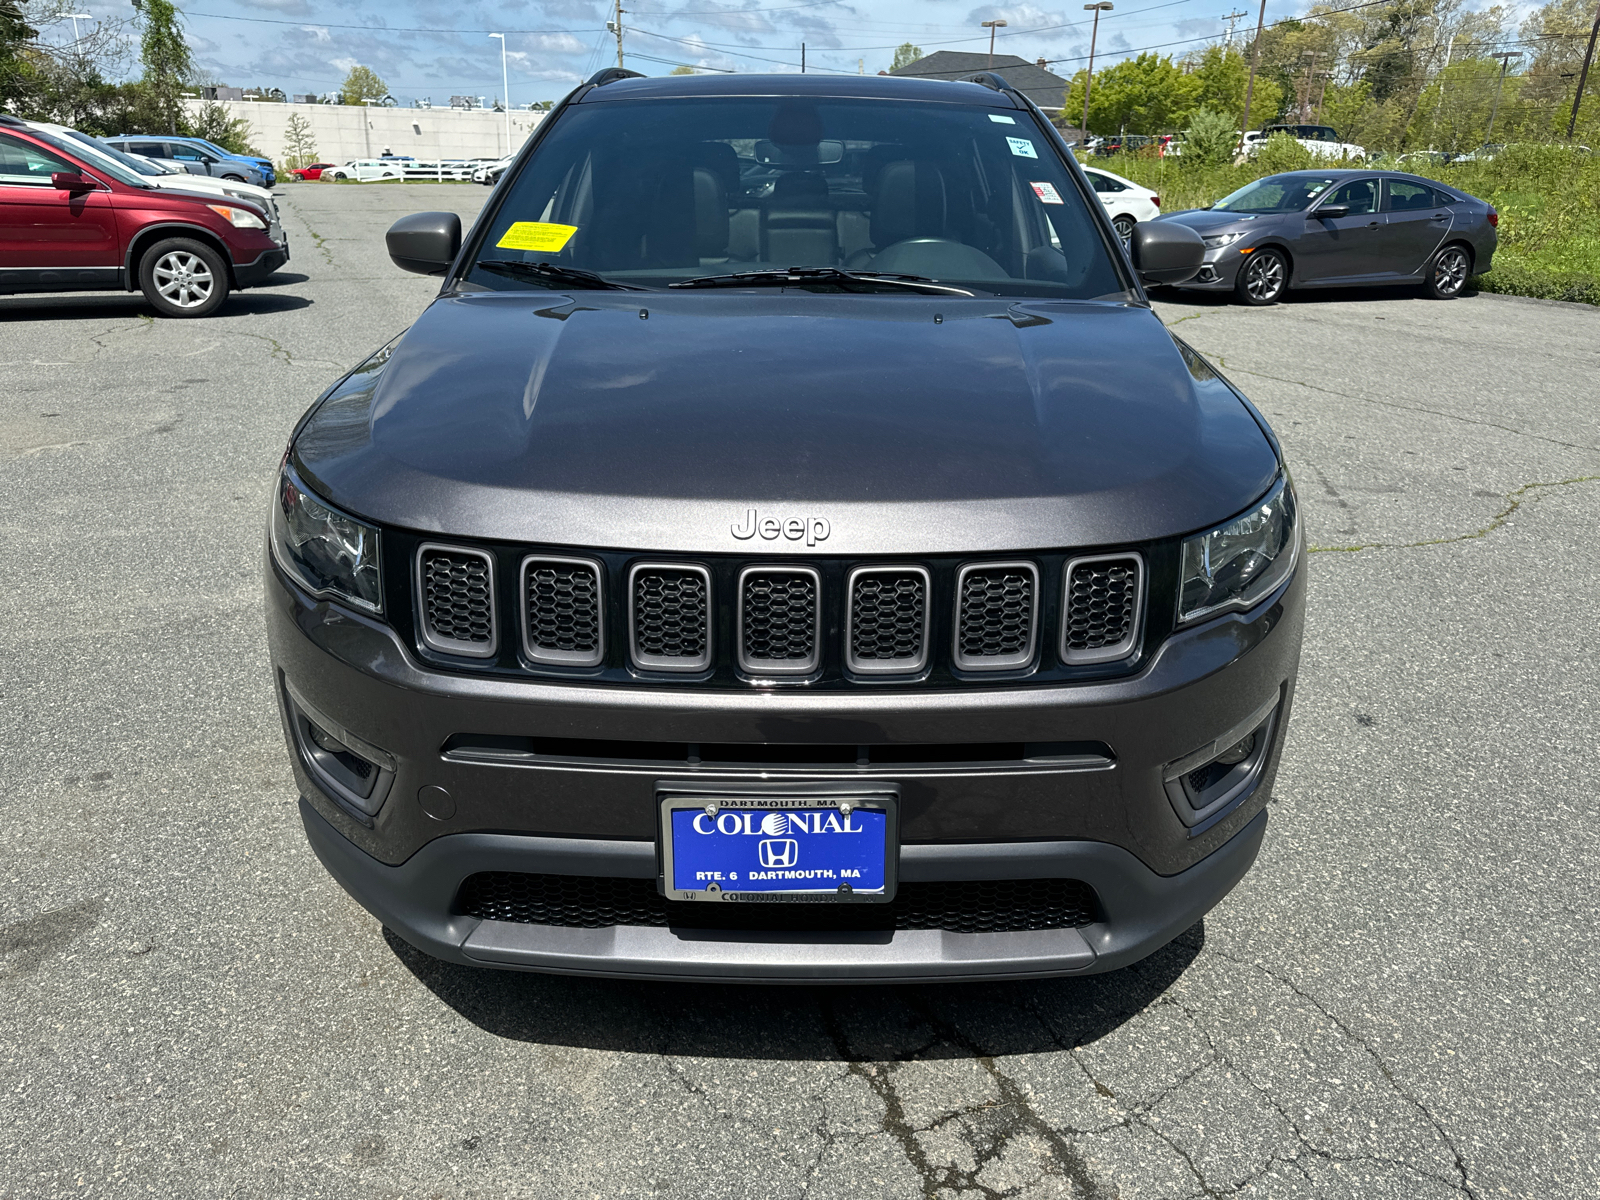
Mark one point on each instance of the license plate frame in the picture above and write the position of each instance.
(751, 808)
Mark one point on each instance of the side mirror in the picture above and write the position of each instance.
(1166, 251)
(426, 243)
(71, 181)
(1329, 211)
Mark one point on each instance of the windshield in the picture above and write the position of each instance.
(1277, 194)
(659, 192)
(103, 149)
(103, 163)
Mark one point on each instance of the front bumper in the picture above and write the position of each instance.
(1113, 826)
(1218, 273)
(251, 273)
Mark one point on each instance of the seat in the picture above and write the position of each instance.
(800, 228)
(909, 200)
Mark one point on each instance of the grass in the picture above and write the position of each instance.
(1548, 198)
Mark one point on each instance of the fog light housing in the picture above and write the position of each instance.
(353, 772)
(1206, 785)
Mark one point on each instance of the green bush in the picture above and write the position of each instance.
(1279, 153)
(1211, 139)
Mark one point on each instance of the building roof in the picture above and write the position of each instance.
(1044, 88)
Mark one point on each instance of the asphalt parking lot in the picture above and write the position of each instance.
(1398, 1002)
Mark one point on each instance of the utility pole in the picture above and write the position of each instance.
(1255, 61)
(1232, 19)
(991, 26)
(802, 58)
(1505, 57)
(1322, 94)
(505, 87)
(615, 26)
(1088, 79)
(1305, 93)
(1583, 76)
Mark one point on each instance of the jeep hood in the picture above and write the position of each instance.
(909, 424)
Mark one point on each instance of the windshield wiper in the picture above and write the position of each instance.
(915, 283)
(543, 272)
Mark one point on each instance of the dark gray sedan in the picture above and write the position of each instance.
(1344, 228)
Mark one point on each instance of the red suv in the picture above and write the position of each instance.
(67, 225)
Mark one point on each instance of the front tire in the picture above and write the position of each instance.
(1448, 272)
(1124, 227)
(1263, 279)
(183, 278)
(234, 178)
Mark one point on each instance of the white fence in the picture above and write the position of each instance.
(342, 132)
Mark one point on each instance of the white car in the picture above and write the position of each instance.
(1322, 140)
(157, 174)
(366, 170)
(1126, 202)
(489, 173)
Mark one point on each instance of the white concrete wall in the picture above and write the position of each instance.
(343, 131)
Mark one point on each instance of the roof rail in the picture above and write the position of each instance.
(15, 122)
(991, 81)
(611, 75)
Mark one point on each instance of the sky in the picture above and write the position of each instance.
(433, 49)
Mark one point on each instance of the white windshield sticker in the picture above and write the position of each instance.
(1021, 147)
(1047, 193)
(999, 120)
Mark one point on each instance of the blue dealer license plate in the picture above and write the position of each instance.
(755, 848)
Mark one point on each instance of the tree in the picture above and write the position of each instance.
(299, 142)
(362, 84)
(215, 125)
(1147, 94)
(905, 55)
(1222, 75)
(1211, 138)
(16, 35)
(167, 61)
(681, 70)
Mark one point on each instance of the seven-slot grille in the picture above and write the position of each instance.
(669, 616)
(455, 596)
(779, 616)
(887, 620)
(780, 620)
(997, 611)
(563, 620)
(1100, 612)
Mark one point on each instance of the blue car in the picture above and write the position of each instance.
(182, 148)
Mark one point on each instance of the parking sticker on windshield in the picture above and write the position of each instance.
(1047, 193)
(536, 235)
(998, 119)
(1022, 147)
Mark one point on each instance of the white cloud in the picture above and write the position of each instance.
(317, 32)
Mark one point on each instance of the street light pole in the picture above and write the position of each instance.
(1505, 57)
(1088, 79)
(76, 17)
(1583, 76)
(991, 26)
(505, 87)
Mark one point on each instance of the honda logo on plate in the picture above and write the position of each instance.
(779, 852)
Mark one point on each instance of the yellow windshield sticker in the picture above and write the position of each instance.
(537, 235)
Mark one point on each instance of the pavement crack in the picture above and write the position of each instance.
(1514, 501)
(1462, 1184)
(1397, 406)
(282, 352)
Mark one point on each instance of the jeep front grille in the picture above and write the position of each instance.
(997, 612)
(780, 617)
(590, 902)
(455, 595)
(669, 611)
(887, 621)
(1100, 612)
(564, 623)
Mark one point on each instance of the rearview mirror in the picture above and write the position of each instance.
(426, 243)
(824, 153)
(71, 181)
(1329, 211)
(1166, 252)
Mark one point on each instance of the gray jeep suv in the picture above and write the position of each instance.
(788, 549)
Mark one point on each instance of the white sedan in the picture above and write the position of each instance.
(1126, 202)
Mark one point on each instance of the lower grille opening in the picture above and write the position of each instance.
(595, 902)
(514, 750)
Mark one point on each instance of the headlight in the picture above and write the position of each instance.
(1216, 241)
(328, 553)
(241, 218)
(1239, 563)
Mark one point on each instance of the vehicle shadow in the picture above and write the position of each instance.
(833, 1024)
(80, 307)
(1183, 298)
